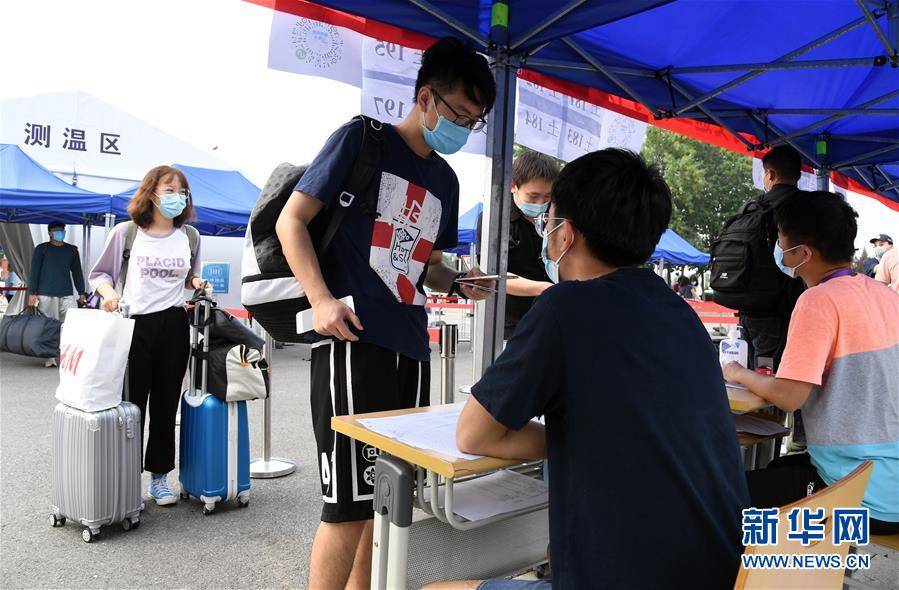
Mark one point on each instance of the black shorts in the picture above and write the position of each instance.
(356, 378)
(791, 478)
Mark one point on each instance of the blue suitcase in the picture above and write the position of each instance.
(215, 441)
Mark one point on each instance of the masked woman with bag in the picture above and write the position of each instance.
(147, 263)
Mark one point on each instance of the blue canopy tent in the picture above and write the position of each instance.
(825, 79)
(223, 200)
(677, 251)
(468, 229)
(29, 193)
(672, 248)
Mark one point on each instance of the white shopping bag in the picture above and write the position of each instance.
(93, 349)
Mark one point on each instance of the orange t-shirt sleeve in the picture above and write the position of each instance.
(811, 340)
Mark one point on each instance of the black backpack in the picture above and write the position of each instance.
(744, 275)
(269, 290)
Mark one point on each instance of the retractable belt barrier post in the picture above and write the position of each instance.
(269, 467)
(449, 338)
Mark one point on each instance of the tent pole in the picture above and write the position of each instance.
(633, 94)
(86, 247)
(786, 57)
(776, 130)
(885, 177)
(822, 178)
(893, 31)
(560, 14)
(682, 91)
(450, 21)
(496, 217)
(823, 123)
(872, 19)
(866, 155)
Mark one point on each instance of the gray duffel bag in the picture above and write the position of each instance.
(30, 333)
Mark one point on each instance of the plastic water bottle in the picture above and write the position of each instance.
(734, 348)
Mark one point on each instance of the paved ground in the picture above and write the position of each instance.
(264, 546)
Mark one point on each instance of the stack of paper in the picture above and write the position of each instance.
(494, 494)
(435, 430)
(758, 426)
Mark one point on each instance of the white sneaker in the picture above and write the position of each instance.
(159, 489)
(50, 362)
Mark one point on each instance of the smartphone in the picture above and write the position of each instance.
(483, 278)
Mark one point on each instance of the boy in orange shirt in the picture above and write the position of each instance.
(840, 365)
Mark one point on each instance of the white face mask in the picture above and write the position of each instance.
(790, 271)
(879, 251)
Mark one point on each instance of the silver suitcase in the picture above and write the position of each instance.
(96, 468)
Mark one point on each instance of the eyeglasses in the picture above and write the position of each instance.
(541, 224)
(475, 124)
(184, 194)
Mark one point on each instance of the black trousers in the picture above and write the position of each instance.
(156, 364)
(767, 337)
(793, 477)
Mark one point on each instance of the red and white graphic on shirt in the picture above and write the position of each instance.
(403, 236)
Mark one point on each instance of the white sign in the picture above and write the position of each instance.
(75, 132)
(384, 71)
(567, 127)
(807, 182)
(305, 46)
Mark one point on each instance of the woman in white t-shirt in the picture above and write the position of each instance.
(160, 265)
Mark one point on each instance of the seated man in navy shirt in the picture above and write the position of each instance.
(646, 483)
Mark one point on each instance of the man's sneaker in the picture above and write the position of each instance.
(50, 362)
(159, 489)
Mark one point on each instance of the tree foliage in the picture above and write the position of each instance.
(708, 184)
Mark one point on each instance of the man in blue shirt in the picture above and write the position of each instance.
(55, 265)
(632, 451)
(379, 355)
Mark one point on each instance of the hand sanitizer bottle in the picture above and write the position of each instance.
(734, 348)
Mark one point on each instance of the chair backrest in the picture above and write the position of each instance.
(845, 493)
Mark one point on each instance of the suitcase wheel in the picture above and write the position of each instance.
(88, 536)
(243, 501)
(184, 495)
(129, 524)
(56, 521)
(208, 509)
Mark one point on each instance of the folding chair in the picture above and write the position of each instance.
(845, 493)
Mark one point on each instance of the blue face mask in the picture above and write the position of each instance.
(790, 271)
(533, 209)
(551, 266)
(446, 137)
(171, 206)
(58, 235)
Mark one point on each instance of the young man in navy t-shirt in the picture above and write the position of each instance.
(379, 356)
(634, 454)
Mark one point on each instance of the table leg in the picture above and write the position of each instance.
(379, 552)
(394, 482)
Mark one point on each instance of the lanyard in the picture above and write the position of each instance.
(843, 272)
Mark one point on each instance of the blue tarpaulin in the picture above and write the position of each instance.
(822, 75)
(468, 229)
(671, 248)
(29, 193)
(223, 200)
(677, 251)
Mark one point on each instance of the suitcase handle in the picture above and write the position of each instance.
(202, 304)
